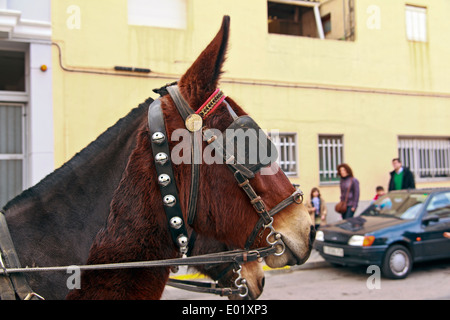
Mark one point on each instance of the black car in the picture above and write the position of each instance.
(400, 228)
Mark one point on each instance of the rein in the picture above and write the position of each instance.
(235, 256)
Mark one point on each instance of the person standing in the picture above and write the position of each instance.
(316, 207)
(401, 177)
(349, 189)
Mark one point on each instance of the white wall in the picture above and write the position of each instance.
(40, 121)
(26, 26)
(39, 10)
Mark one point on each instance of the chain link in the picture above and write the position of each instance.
(277, 237)
(240, 282)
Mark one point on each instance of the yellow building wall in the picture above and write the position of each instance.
(371, 90)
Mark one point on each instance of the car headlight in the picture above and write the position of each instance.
(361, 241)
(319, 236)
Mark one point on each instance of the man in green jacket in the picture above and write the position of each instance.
(401, 177)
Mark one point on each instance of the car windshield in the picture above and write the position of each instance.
(399, 205)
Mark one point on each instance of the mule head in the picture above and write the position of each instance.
(224, 211)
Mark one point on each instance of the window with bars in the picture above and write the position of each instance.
(11, 151)
(330, 156)
(286, 144)
(427, 158)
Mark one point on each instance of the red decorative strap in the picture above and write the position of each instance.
(211, 104)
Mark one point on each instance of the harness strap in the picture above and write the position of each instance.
(7, 291)
(255, 200)
(202, 287)
(166, 177)
(211, 104)
(235, 256)
(183, 107)
(231, 111)
(296, 197)
(12, 285)
(218, 145)
(185, 111)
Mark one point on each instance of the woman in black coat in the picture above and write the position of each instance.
(350, 185)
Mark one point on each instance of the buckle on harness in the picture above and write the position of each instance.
(259, 205)
(2, 266)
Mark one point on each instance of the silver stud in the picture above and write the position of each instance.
(176, 222)
(158, 137)
(164, 180)
(169, 200)
(161, 158)
(182, 240)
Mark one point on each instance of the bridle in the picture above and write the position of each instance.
(242, 172)
(13, 282)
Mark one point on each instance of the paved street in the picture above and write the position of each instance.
(427, 281)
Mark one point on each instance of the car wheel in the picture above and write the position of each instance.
(397, 262)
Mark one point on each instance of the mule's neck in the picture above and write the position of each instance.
(136, 230)
(55, 222)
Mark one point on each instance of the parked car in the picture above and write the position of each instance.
(399, 229)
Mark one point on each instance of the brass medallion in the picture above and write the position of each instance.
(194, 122)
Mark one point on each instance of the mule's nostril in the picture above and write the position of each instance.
(263, 282)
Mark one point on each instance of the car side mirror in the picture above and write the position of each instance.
(430, 218)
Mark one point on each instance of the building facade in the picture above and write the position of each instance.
(26, 99)
(359, 82)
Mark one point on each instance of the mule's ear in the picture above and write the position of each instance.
(201, 79)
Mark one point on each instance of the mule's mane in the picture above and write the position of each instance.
(82, 158)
